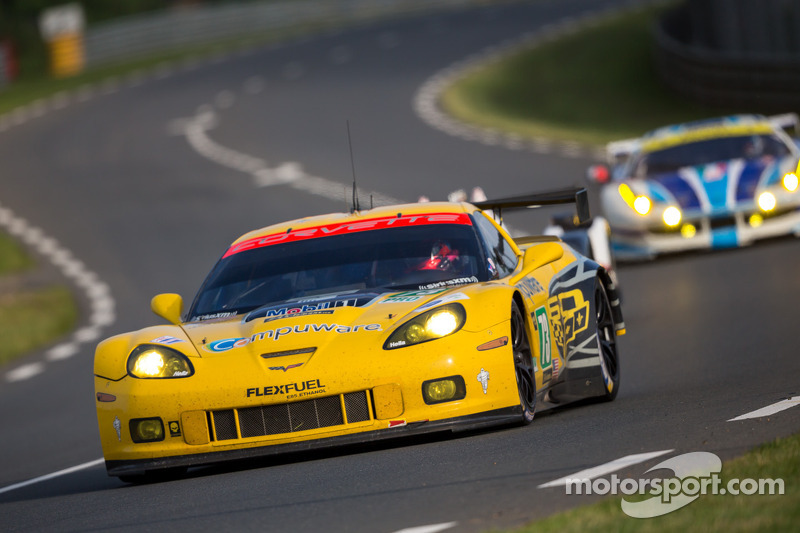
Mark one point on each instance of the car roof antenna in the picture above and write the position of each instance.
(356, 207)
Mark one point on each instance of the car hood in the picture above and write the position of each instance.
(305, 326)
(716, 187)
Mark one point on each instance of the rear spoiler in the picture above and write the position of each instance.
(786, 121)
(575, 195)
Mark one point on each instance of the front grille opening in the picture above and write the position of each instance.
(224, 424)
(293, 417)
(356, 405)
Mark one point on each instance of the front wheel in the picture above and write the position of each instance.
(606, 343)
(523, 364)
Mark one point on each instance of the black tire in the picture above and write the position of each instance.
(523, 364)
(606, 343)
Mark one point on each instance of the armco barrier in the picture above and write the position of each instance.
(179, 28)
(748, 72)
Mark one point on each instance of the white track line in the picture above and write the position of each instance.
(770, 409)
(46, 477)
(101, 304)
(426, 100)
(607, 468)
(290, 173)
(433, 528)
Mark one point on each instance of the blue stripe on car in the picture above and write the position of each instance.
(724, 238)
(716, 190)
(680, 190)
(748, 181)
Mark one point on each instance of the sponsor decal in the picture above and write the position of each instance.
(285, 368)
(213, 316)
(410, 296)
(349, 227)
(302, 308)
(547, 375)
(543, 326)
(493, 273)
(292, 315)
(530, 286)
(167, 339)
(483, 377)
(396, 344)
(444, 299)
(450, 283)
(174, 428)
(397, 423)
(569, 315)
(304, 388)
(223, 345)
(118, 428)
(491, 345)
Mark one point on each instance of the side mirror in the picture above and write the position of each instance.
(537, 256)
(598, 174)
(168, 306)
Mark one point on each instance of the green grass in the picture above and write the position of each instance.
(593, 86)
(779, 459)
(31, 319)
(12, 258)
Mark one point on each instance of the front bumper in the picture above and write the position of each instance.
(230, 411)
(496, 417)
(728, 231)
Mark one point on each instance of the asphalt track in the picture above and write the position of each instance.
(148, 203)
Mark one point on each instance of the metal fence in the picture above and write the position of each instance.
(145, 34)
(736, 53)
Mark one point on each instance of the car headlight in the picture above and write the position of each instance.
(640, 204)
(790, 182)
(672, 216)
(434, 324)
(154, 361)
(767, 201)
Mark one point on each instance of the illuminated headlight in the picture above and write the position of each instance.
(444, 390)
(688, 231)
(790, 182)
(672, 216)
(146, 429)
(434, 324)
(755, 220)
(766, 201)
(152, 361)
(642, 205)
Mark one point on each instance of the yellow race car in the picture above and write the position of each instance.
(354, 327)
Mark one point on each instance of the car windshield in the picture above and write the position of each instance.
(707, 151)
(425, 256)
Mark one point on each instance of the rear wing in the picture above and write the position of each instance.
(574, 195)
(786, 121)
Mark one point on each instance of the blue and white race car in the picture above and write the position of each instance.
(717, 183)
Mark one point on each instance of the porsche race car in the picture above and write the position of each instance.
(353, 327)
(717, 183)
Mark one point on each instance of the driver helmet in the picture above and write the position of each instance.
(443, 257)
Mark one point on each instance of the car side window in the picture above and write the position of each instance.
(501, 257)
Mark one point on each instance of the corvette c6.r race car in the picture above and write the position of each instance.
(717, 183)
(348, 328)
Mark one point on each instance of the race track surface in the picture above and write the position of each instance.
(147, 180)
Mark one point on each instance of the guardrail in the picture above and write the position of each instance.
(747, 72)
(180, 28)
